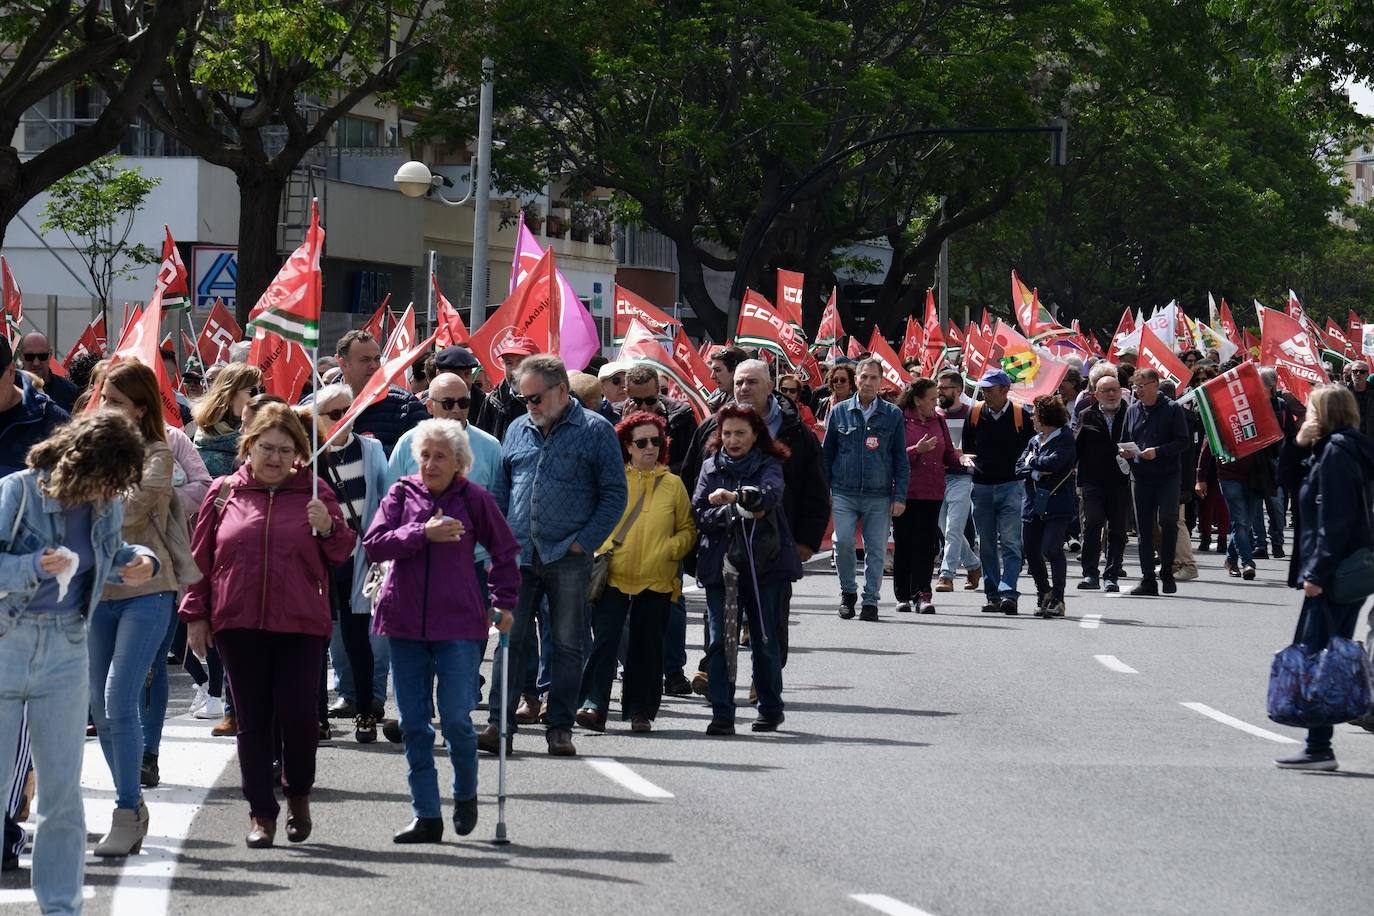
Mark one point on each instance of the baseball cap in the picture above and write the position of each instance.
(517, 346)
(451, 359)
(613, 368)
(993, 378)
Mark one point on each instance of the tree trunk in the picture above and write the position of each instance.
(260, 194)
(692, 284)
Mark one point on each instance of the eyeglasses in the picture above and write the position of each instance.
(650, 401)
(284, 451)
(648, 442)
(335, 415)
(614, 380)
(256, 390)
(790, 392)
(534, 399)
(450, 403)
(37, 357)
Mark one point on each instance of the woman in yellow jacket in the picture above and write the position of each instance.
(647, 544)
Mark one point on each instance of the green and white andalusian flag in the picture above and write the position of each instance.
(291, 305)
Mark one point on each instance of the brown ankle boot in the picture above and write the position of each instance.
(262, 833)
(298, 820)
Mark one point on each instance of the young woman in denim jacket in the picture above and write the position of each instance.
(66, 498)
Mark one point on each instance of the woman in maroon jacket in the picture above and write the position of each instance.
(916, 532)
(433, 608)
(264, 544)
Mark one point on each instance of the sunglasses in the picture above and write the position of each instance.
(617, 379)
(649, 442)
(535, 399)
(791, 392)
(450, 403)
(37, 357)
(255, 391)
(650, 401)
(335, 415)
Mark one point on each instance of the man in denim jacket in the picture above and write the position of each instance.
(865, 459)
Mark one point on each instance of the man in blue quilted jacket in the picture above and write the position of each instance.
(561, 486)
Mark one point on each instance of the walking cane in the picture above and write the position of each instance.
(503, 646)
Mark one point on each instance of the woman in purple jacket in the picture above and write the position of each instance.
(916, 532)
(432, 608)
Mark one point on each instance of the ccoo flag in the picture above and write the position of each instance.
(1235, 412)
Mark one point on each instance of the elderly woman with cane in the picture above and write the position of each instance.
(431, 607)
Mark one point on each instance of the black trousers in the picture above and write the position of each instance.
(915, 541)
(648, 618)
(1109, 508)
(1042, 541)
(1156, 500)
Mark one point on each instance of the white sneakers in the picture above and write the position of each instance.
(209, 708)
(198, 700)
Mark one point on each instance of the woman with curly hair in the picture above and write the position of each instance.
(218, 416)
(1049, 503)
(60, 545)
(646, 547)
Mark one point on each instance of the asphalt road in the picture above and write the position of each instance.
(961, 763)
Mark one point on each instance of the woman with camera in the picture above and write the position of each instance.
(746, 558)
(653, 535)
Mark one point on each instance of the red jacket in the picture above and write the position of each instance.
(927, 479)
(263, 567)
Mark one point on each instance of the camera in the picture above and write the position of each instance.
(750, 499)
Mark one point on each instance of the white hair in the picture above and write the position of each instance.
(758, 364)
(330, 392)
(1099, 372)
(450, 433)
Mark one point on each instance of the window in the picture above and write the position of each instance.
(359, 132)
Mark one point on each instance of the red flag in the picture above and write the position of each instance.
(641, 347)
(1284, 344)
(830, 330)
(285, 365)
(533, 310)
(790, 295)
(761, 325)
(402, 336)
(170, 350)
(935, 338)
(956, 337)
(1336, 340)
(629, 305)
(380, 382)
(1295, 310)
(171, 275)
(219, 331)
(693, 366)
(290, 306)
(1234, 408)
(92, 340)
(985, 324)
(376, 325)
(1354, 326)
(13, 295)
(1156, 354)
(977, 350)
(1252, 347)
(854, 349)
(894, 376)
(139, 342)
(913, 341)
(1228, 325)
(452, 331)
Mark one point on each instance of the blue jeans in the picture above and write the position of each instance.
(1244, 504)
(124, 638)
(536, 682)
(1271, 506)
(875, 514)
(415, 666)
(564, 583)
(997, 516)
(954, 513)
(675, 640)
(766, 652)
(154, 712)
(43, 664)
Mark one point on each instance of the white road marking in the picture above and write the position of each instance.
(1232, 721)
(885, 904)
(1112, 663)
(1090, 621)
(618, 772)
(25, 895)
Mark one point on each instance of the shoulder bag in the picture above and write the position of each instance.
(601, 563)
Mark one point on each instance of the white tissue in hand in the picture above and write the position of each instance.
(68, 570)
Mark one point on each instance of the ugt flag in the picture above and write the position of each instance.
(1236, 415)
